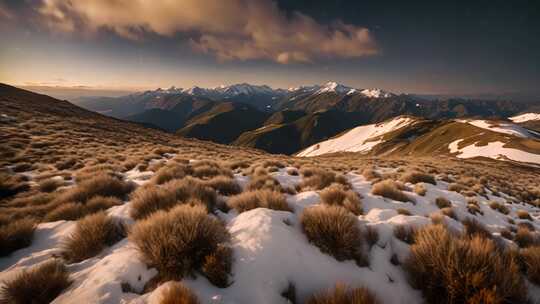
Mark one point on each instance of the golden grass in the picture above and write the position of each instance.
(338, 196)
(177, 293)
(249, 200)
(390, 189)
(16, 235)
(342, 294)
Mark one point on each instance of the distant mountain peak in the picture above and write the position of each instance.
(334, 87)
(376, 93)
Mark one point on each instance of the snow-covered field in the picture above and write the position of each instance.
(525, 117)
(359, 139)
(270, 250)
(500, 127)
(495, 150)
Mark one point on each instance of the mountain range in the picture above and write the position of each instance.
(285, 120)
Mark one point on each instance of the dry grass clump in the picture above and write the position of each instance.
(337, 195)
(342, 294)
(217, 266)
(39, 284)
(259, 199)
(525, 238)
(499, 207)
(449, 211)
(530, 261)
(50, 184)
(403, 211)
(335, 231)
(457, 269)
(11, 185)
(177, 293)
(92, 234)
(318, 179)
(292, 171)
(208, 169)
(370, 174)
(420, 189)
(224, 185)
(102, 185)
(178, 242)
(390, 189)
(405, 233)
(418, 177)
(474, 208)
(170, 172)
(524, 215)
(149, 199)
(16, 235)
(475, 228)
(371, 235)
(75, 210)
(442, 202)
(263, 182)
(456, 187)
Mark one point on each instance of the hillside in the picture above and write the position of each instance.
(420, 137)
(99, 210)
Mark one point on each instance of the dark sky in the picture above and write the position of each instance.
(453, 47)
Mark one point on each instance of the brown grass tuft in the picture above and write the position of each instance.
(442, 202)
(16, 235)
(499, 207)
(335, 231)
(341, 294)
(418, 177)
(530, 261)
(524, 215)
(177, 242)
(149, 199)
(177, 293)
(217, 266)
(452, 269)
(389, 189)
(103, 185)
(92, 234)
(259, 199)
(420, 189)
(39, 284)
(405, 233)
(336, 195)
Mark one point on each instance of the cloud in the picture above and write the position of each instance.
(229, 30)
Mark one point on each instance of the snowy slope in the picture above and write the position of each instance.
(270, 251)
(495, 150)
(525, 117)
(359, 139)
(500, 127)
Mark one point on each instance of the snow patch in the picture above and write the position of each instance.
(495, 150)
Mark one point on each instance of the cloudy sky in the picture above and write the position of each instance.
(407, 46)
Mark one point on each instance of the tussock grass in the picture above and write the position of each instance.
(335, 231)
(530, 261)
(390, 189)
(420, 189)
(318, 179)
(149, 199)
(39, 284)
(177, 293)
(217, 266)
(418, 177)
(259, 199)
(475, 228)
(224, 185)
(524, 215)
(263, 182)
(102, 185)
(405, 233)
(442, 202)
(177, 242)
(11, 185)
(49, 185)
(457, 269)
(525, 238)
(16, 235)
(342, 294)
(170, 172)
(92, 234)
(338, 196)
(403, 211)
(499, 207)
(449, 211)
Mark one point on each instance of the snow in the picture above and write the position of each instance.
(376, 93)
(270, 249)
(500, 127)
(525, 117)
(495, 150)
(334, 87)
(359, 139)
